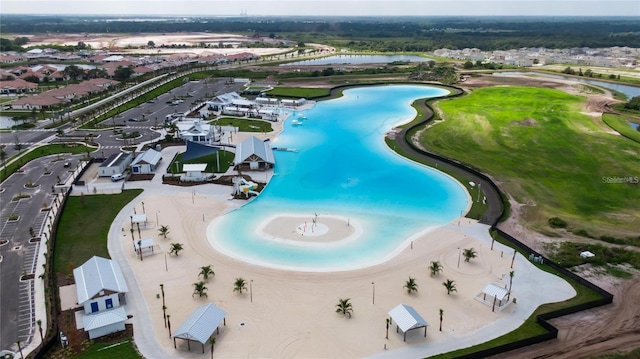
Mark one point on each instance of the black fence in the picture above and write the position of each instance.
(496, 201)
(51, 296)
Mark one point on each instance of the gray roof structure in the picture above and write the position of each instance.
(201, 324)
(496, 291)
(96, 275)
(116, 159)
(407, 318)
(254, 147)
(149, 156)
(104, 318)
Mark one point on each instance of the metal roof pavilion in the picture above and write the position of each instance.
(200, 325)
(253, 146)
(496, 291)
(407, 318)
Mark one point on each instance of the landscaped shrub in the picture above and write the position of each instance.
(556, 222)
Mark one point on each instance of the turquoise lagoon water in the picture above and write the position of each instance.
(344, 168)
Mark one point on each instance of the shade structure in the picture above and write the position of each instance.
(496, 291)
(407, 318)
(201, 324)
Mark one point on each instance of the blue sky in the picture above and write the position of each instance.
(331, 7)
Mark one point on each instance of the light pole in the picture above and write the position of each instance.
(251, 290)
(157, 222)
(373, 293)
(458, 257)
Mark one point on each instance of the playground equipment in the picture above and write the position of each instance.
(244, 187)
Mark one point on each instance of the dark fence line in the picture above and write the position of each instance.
(493, 194)
(53, 329)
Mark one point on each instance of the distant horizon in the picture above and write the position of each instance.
(351, 8)
(170, 16)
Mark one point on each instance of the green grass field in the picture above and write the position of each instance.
(42, 151)
(123, 350)
(225, 157)
(620, 123)
(84, 225)
(244, 124)
(299, 92)
(544, 152)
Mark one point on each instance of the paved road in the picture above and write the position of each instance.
(17, 316)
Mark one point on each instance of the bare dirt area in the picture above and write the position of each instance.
(608, 329)
(136, 43)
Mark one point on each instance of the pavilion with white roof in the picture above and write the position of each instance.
(407, 318)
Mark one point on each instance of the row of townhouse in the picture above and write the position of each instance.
(71, 93)
(609, 57)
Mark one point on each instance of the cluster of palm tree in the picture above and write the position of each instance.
(200, 289)
(240, 285)
(411, 285)
(435, 268)
(164, 230)
(450, 285)
(344, 307)
(206, 271)
(175, 248)
(469, 253)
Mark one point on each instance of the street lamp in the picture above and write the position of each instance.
(157, 222)
(251, 290)
(373, 293)
(458, 257)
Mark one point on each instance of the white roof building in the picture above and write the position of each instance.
(407, 318)
(254, 154)
(98, 275)
(146, 162)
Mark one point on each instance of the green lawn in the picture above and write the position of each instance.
(620, 123)
(244, 124)
(84, 225)
(544, 152)
(42, 151)
(299, 92)
(122, 350)
(226, 158)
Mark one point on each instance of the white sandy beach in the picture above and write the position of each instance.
(292, 314)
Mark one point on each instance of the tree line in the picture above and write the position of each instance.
(371, 34)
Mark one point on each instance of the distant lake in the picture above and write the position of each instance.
(634, 125)
(358, 59)
(629, 91)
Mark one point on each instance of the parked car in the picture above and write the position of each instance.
(133, 119)
(66, 165)
(117, 177)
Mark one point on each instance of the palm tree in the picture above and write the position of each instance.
(469, 253)
(164, 230)
(199, 289)
(441, 313)
(435, 268)
(344, 307)
(511, 274)
(411, 285)
(39, 322)
(239, 285)
(175, 248)
(450, 285)
(212, 340)
(206, 271)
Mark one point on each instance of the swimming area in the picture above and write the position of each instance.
(343, 168)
